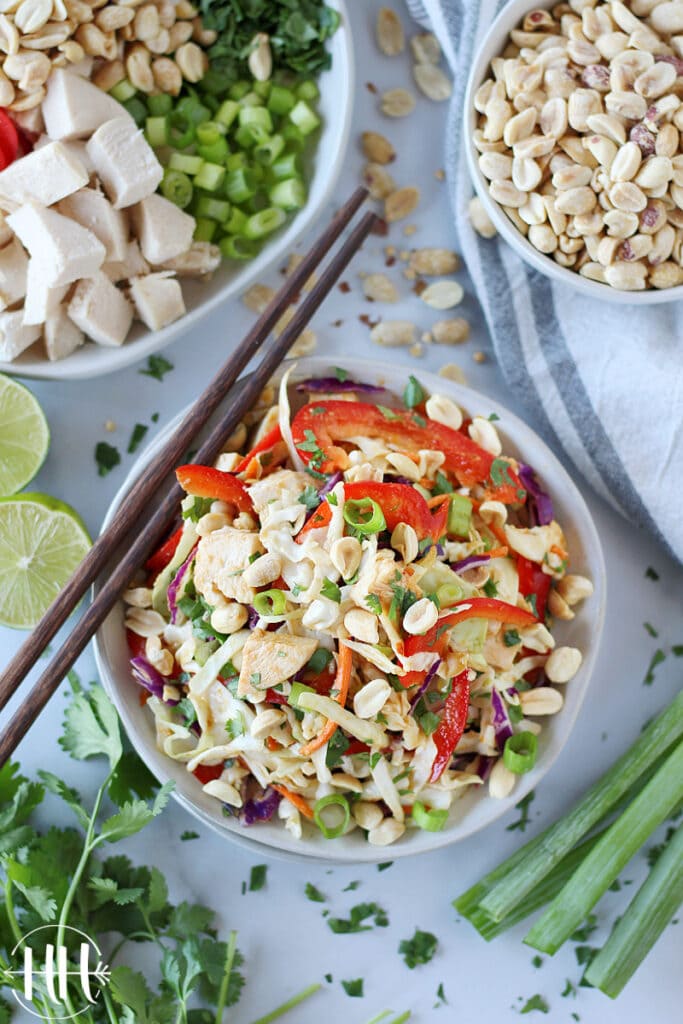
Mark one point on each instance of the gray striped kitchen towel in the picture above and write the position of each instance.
(604, 381)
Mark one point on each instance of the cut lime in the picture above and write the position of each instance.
(24, 436)
(42, 541)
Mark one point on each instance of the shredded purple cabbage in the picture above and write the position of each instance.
(428, 678)
(252, 620)
(148, 677)
(471, 562)
(260, 810)
(176, 583)
(321, 384)
(539, 502)
(484, 767)
(501, 721)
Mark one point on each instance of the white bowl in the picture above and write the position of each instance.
(336, 106)
(473, 811)
(493, 44)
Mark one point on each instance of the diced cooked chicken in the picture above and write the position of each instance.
(271, 658)
(6, 234)
(92, 210)
(61, 335)
(43, 176)
(76, 147)
(101, 310)
(65, 250)
(158, 299)
(30, 120)
(284, 483)
(74, 108)
(132, 265)
(13, 268)
(222, 556)
(200, 259)
(162, 229)
(42, 301)
(124, 161)
(14, 335)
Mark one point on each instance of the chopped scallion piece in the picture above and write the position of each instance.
(332, 831)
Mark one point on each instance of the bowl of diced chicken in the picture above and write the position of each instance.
(578, 627)
(97, 269)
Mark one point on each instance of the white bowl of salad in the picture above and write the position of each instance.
(143, 235)
(372, 627)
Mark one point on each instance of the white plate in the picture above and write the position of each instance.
(492, 45)
(475, 810)
(335, 106)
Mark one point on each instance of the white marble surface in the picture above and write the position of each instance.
(286, 941)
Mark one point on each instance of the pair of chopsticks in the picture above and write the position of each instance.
(136, 530)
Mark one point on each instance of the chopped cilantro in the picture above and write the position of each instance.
(677, 650)
(651, 574)
(375, 759)
(537, 961)
(353, 988)
(388, 413)
(136, 438)
(313, 894)
(309, 498)
(584, 954)
(418, 950)
(336, 748)
(332, 500)
(311, 446)
(568, 990)
(329, 979)
(523, 807)
(352, 886)
(234, 727)
(532, 601)
(511, 638)
(188, 834)
(255, 678)
(157, 367)
(154, 417)
(257, 877)
(649, 628)
(491, 588)
(441, 485)
(374, 604)
(583, 933)
(358, 919)
(188, 711)
(440, 994)
(420, 421)
(319, 661)
(500, 473)
(340, 374)
(194, 508)
(429, 722)
(655, 852)
(413, 394)
(384, 865)
(535, 1003)
(330, 590)
(494, 417)
(106, 457)
(657, 658)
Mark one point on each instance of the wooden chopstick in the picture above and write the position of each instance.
(155, 526)
(136, 504)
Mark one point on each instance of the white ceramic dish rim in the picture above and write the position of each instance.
(491, 46)
(589, 619)
(103, 360)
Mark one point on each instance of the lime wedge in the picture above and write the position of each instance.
(24, 436)
(42, 541)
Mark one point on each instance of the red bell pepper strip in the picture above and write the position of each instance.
(436, 639)
(207, 482)
(268, 441)
(400, 503)
(207, 772)
(163, 555)
(452, 725)
(136, 644)
(319, 425)
(534, 582)
(9, 140)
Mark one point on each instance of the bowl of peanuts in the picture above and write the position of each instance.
(574, 145)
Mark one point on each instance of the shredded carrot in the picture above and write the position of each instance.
(295, 799)
(560, 552)
(439, 499)
(500, 552)
(341, 684)
(273, 744)
(498, 533)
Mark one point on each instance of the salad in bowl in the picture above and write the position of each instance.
(352, 631)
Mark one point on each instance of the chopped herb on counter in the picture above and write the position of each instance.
(352, 886)
(537, 961)
(257, 877)
(677, 650)
(157, 367)
(137, 437)
(358, 919)
(384, 865)
(418, 950)
(651, 573)
(440, 995)
(650, 629)
(188, 834)
(353, 988)
(535, 1003)
(657, 658)
(568, 990)
(106, 457)
(313, 894)
(523, 807)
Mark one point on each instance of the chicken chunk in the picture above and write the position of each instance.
(271, 658)
(124, 161)
(92, 210)
(41, 300)
(221, 558)
(200, 259)
(43, 176)
(61, 335)
(74, 108)
(65, 250)
(158, 299)
(15, 336)
(132, 265)
(76, 147)
(162, 229)
(284, 483)
(101, 310)
(13, 269)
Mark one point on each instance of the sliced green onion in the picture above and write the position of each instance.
(214, 209)
(159, 104)
(177, 187)
(227, 112)
(248, 135)
(449, 593)
(296, 691)
(187, 164)
(280, 100)
(605, 861)
(261, 89)
(520, 752)
(123, 91)
(288, 195)
(210, 177)
(267, 152)
(137, 110)
(235, 222)
(239, 185)
(646, 917)
(235, 247)
(251, 99)
(204, 229)
(432, 820)
(193, 109)
(238, 90)
(210, 132)
(236, 161)
(264, 222)
(333, 800)
(181, 133)
(305, 119)
(270, 602)
(293, 137)
(156, 131)
(364, 515)
(216, 152)
(459, 515)
(256, 117)
(286, 166)
(307, 90)
(319, 660)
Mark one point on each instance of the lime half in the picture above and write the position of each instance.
(24, 436)
(42, 542)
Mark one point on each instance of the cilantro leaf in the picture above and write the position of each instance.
(107, 889)
(354, 987)
(336, 748)
(535, 1003)
(330, 590)
(131, 777)
(68, 794)
(374, 604)
(91, 727)
(309, 497)
(133, 816)
(313, 894)
(106, 457)
(413, 394)
(157, 367)
(358, 919)
(39, 898)
(418, 950)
